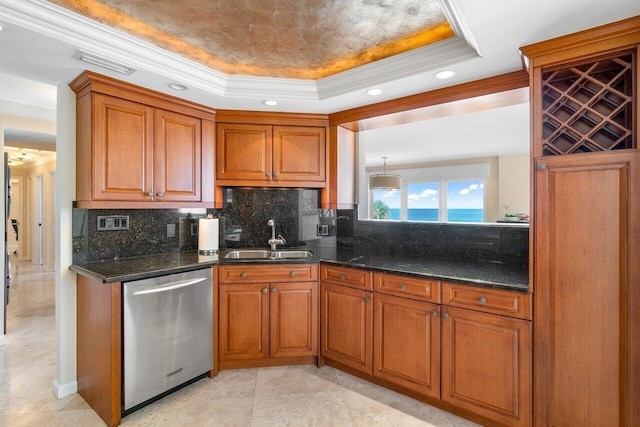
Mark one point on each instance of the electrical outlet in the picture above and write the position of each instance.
(194, 229)
(171, 230)
(323, 230)
(113, 223)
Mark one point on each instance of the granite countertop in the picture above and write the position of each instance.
(487, 274)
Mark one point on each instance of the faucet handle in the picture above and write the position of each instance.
(282, 238)
(271, 223)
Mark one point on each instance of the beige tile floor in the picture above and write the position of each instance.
(279, 396)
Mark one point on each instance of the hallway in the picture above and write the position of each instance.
(293, 396)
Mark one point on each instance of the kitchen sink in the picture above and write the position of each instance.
(267, 254)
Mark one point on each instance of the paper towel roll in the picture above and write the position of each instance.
(207, 236)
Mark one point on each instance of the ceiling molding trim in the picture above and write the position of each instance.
(428, 58)
(268, 87)
(453, 13)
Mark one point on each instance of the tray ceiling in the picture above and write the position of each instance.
(304, 39)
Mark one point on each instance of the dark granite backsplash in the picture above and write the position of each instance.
(243, 223)
(483, 242)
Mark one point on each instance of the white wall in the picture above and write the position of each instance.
(513, 183)
(65, 381)
(18, 123)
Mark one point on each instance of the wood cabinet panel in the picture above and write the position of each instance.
(178, 152)
(294, 319)
(406, 286)
(299, 153)
(244, 321)
(486, 365)
(407, 343)
(347, 326)
(243, 152)
(586, 272)
(252, 273)
(352, 277)
(122, 149)
(498, 301)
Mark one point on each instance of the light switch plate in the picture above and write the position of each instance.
(323, 230)
(171, 230)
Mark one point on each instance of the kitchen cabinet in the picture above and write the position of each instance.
(268, 314)
(136, 149)
(585, 230)
(347, 317)
(486, 357)
(266, 155)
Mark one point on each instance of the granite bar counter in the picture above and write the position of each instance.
(479, 273)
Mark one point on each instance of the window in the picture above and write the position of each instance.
(465, 201)
(385, 204)
(423, 201)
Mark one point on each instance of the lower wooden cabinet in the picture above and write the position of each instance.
(267, 320)
(347, 326)
(486, 365)
(407, 343)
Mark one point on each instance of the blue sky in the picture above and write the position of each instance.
(460, 195)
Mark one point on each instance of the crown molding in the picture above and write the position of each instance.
(93, 37)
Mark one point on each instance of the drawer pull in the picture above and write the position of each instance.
(161, 194)
(151, 194)
(243, 274)
(268, 174)
(367, 299)
(292, 274)
(482, 300)
(342, 277)
(265, 290)
(274, 290)
(445, 316)
(434, 313)
(403, 287)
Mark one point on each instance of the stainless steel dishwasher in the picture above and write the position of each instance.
(168, 334)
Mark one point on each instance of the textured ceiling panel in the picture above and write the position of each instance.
(307, 39)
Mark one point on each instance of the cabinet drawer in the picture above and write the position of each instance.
(507, 303)
(345, 276)
(405, 286)
(252, 273)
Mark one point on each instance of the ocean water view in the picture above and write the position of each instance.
(453, 215)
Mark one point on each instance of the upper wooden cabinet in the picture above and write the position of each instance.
(276, 156)
(139, 149)
(263, 149)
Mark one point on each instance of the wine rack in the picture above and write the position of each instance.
(588, 107)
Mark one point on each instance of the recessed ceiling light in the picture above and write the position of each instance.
(270, 102)
(177, 86)
(373, 92)
(444, 74)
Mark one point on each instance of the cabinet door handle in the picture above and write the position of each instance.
(276, 174)
(342, 277)
(445, 316)
(541, 166)
(274, 290)
(268, 174)
(482, 300)
(434, 313)
(265, 290)
(243, 274)
(403, 287)
(292, 274)
(161, 194)
(151, 194)
(367, 299)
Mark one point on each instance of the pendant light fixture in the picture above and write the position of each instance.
(384, 181)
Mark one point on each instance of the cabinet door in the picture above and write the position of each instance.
(486, 365)
(407, 343)
(299, 153)
(178, 157)
(244, 321)
(346, 318)
(294, 320)
(243, 152)
(122, 150)
(587, 298)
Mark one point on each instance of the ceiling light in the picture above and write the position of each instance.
(103, 62)
(1, 27)
(444, 74)
(177, 86)
(270, 102)
(384, 181)
(374, 92)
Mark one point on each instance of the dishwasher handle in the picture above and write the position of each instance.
(169, 286)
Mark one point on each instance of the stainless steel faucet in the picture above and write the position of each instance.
(273, 241)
